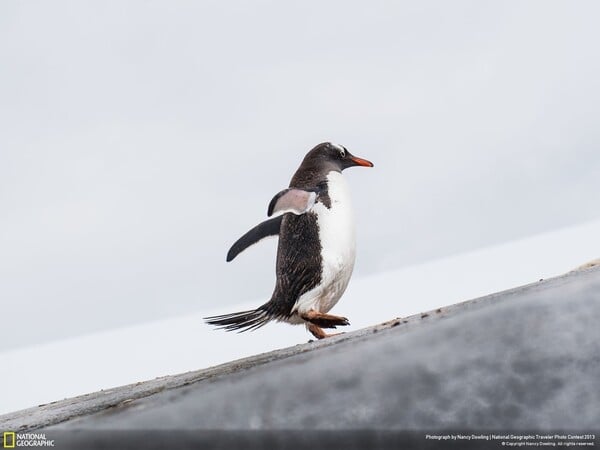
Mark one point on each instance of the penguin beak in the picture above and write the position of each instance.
(361, 162)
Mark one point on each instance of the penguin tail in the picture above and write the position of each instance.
(240, 321)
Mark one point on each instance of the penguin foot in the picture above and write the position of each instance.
(318, 332)
(324, 320)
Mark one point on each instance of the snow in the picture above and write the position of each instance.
(66, 368)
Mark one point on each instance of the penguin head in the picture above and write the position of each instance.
(334, 156)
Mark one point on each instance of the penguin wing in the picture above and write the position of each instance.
(295, 201)
(259, 232)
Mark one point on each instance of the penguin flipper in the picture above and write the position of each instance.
(259, 232)
(296, 201)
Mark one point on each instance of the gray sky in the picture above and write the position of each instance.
(139, 139)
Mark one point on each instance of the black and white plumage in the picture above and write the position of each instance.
(316, 251)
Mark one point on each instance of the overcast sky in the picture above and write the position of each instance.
(139, 139)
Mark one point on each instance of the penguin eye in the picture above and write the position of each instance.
(340, 149)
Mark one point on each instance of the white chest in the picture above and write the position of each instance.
(338, 243)
(336, 224)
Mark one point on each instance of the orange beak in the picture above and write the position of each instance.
(361, 162)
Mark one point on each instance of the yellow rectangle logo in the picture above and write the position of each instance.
(9, 439)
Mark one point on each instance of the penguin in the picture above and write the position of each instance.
(316, 251)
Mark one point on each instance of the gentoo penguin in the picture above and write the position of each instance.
(316, 250)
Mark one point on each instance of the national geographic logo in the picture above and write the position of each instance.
(10, 439)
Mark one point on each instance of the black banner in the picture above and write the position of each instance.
(297, 439)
